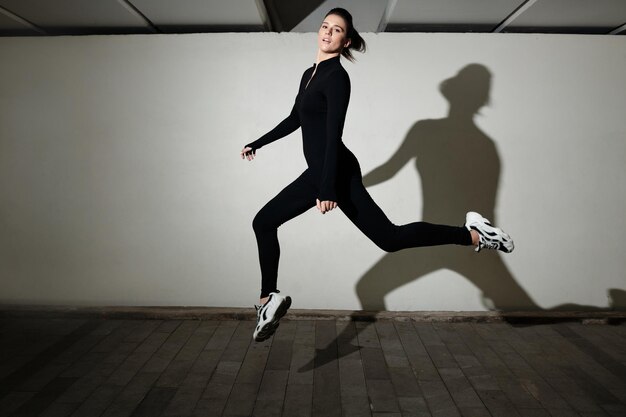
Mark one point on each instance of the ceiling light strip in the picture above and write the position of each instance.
(265, 17)
(521, 9)
(132, 9)
(618, 30)
(382, 26)
(22, 21)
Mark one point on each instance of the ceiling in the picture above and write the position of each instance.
(87, 17)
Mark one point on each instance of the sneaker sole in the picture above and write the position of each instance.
(269, 328)
(505, 243)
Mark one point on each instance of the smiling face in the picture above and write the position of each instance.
(332, 36)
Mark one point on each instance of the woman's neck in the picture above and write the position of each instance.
(323, 56)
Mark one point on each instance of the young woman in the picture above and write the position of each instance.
(333, 177)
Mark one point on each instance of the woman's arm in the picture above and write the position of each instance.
(337, 93)
(287, 126)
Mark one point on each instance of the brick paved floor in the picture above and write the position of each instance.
(92, 367)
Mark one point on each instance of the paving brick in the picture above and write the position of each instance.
(192, 368)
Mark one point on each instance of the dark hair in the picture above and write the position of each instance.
(356, 41)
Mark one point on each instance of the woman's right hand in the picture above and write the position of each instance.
(248, 153)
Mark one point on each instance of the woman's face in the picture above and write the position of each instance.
(332, 36)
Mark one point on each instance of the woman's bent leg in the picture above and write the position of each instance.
(293, 200)
(361, 209)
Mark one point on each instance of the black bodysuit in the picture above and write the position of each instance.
(333, 174)
(320, 110)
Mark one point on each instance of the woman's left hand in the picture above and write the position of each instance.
(325, 206)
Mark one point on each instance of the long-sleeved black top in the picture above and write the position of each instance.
(320, 110)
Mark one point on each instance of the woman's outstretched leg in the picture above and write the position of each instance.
(363, 211)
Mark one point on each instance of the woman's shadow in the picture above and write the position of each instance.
(459, 167)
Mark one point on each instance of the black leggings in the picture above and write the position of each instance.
(358, 206)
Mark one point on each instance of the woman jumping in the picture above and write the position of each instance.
(333, 177)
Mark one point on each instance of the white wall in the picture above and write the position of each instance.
(121, 183)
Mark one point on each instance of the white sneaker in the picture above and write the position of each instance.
(268, 315)
(489, 237)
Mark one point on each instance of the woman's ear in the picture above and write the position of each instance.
(347, 43)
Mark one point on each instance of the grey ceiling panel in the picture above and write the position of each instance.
(79, 16)
(366, 14)
(450, 15)
(10, 25)
(577, 16)
(287, 14)
(54, 17)
(187, 15)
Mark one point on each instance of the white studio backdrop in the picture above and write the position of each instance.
(121, 183)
